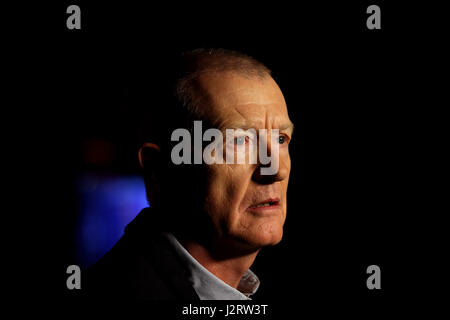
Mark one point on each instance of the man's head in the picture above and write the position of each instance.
(243, 208)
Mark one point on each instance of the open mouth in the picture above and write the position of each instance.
(266, 203)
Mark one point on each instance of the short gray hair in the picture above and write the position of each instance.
(199, 61)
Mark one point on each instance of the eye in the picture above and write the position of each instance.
(241, 140)
(283, 139)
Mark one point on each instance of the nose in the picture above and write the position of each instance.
(283, 164)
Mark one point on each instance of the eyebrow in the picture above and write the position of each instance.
(288, 125)
(254, 125)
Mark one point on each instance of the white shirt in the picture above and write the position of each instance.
(207, 285)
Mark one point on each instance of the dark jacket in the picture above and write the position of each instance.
(142, 265)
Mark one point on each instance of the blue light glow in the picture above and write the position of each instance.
(107, 203)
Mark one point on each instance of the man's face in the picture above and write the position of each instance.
(234, 191)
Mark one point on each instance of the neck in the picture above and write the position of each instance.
(228, 267)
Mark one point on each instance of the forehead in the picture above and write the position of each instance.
(230, 100)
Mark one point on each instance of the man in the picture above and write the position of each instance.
(207, 222)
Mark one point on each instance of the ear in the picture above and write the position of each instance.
(148, 155)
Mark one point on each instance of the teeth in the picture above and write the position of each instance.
(262, 205)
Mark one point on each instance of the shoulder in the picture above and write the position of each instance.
(142, 265)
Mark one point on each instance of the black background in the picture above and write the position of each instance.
(360, 100)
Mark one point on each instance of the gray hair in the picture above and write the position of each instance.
(202, 61)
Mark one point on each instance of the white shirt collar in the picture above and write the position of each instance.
(207, 285)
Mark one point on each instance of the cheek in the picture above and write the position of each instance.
(226, 188)
(286, 162)
(285, 158)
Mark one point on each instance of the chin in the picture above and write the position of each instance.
(270, 239)
(263, 236)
